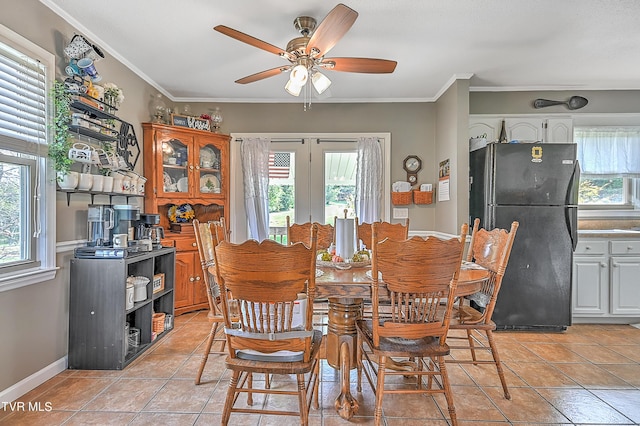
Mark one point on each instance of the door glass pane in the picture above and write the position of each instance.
(339, 184)
(210, 174)
(281, 193)
(174, 163)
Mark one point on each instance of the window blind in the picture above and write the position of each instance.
(22, 100)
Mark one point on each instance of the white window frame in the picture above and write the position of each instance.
(46, 244)
(586, 211)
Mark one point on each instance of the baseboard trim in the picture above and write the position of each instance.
(33, 381)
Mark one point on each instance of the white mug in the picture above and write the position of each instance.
(120, 240)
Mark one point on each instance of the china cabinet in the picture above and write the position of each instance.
(99, 319)
(186, 167)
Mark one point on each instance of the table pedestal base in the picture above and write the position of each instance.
(341, 348)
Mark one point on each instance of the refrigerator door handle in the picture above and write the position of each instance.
(571, 217)
(573, 186)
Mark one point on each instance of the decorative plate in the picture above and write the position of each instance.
(181, 214)
(207, 156)
(167, 180)
(183, 185)
(209, 183)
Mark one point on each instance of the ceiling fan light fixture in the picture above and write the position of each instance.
(299, 75)
(320, 82)
(293, 88)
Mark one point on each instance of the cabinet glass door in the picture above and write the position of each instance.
(175, 166)
(208, 164)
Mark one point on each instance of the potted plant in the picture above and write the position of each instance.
(62, 142)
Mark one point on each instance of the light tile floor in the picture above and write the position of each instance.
(589, 374)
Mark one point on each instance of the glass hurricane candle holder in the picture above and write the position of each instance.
(216, 120)
(158, 109)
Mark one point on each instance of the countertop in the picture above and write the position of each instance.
(608, 233)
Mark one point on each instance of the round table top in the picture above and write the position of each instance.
(355, 282)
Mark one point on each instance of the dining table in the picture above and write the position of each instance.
(346, 290)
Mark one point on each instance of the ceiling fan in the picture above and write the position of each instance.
(306, 54)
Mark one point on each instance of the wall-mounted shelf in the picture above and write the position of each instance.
(80, 105)
(92, 134)
(94, 193)
(127, 145)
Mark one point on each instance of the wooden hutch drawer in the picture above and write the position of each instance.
(186, 244)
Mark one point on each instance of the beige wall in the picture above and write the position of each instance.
(452, 124)
(600, 102)
(412, 128)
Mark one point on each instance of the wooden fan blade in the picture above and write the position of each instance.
(363, 65)
(263, 74)
(245, 38)
(334, 26)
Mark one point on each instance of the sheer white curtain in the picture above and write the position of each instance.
(369, 180)
(608, 151)
(255, 170)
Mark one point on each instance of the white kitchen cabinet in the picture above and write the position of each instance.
(559, 130)
(481, 126)
(625, 277)
(523, 128)
(591, 285)
(606, 283)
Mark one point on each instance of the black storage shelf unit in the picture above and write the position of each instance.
(97, 308)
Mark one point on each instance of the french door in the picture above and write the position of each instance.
(312, 178)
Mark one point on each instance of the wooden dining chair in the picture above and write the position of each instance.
(397, 231)
(301, 233)
(491, 250)
(268, 324)
(208, 235)
(420, 278)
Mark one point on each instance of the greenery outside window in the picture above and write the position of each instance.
(610, 161)
(27, 204)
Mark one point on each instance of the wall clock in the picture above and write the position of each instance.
(412, 165)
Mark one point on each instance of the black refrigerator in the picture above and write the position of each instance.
(537, 185)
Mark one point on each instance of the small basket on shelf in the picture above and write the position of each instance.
(401, 198)
(158, 322)
(422, 197)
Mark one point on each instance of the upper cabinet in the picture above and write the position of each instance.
(185, 166)
(523, 129)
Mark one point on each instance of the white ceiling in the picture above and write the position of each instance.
(502, 44)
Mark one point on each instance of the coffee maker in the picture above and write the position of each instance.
(103, 222)
(148, 227)
(100, 224)
(125, 218)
